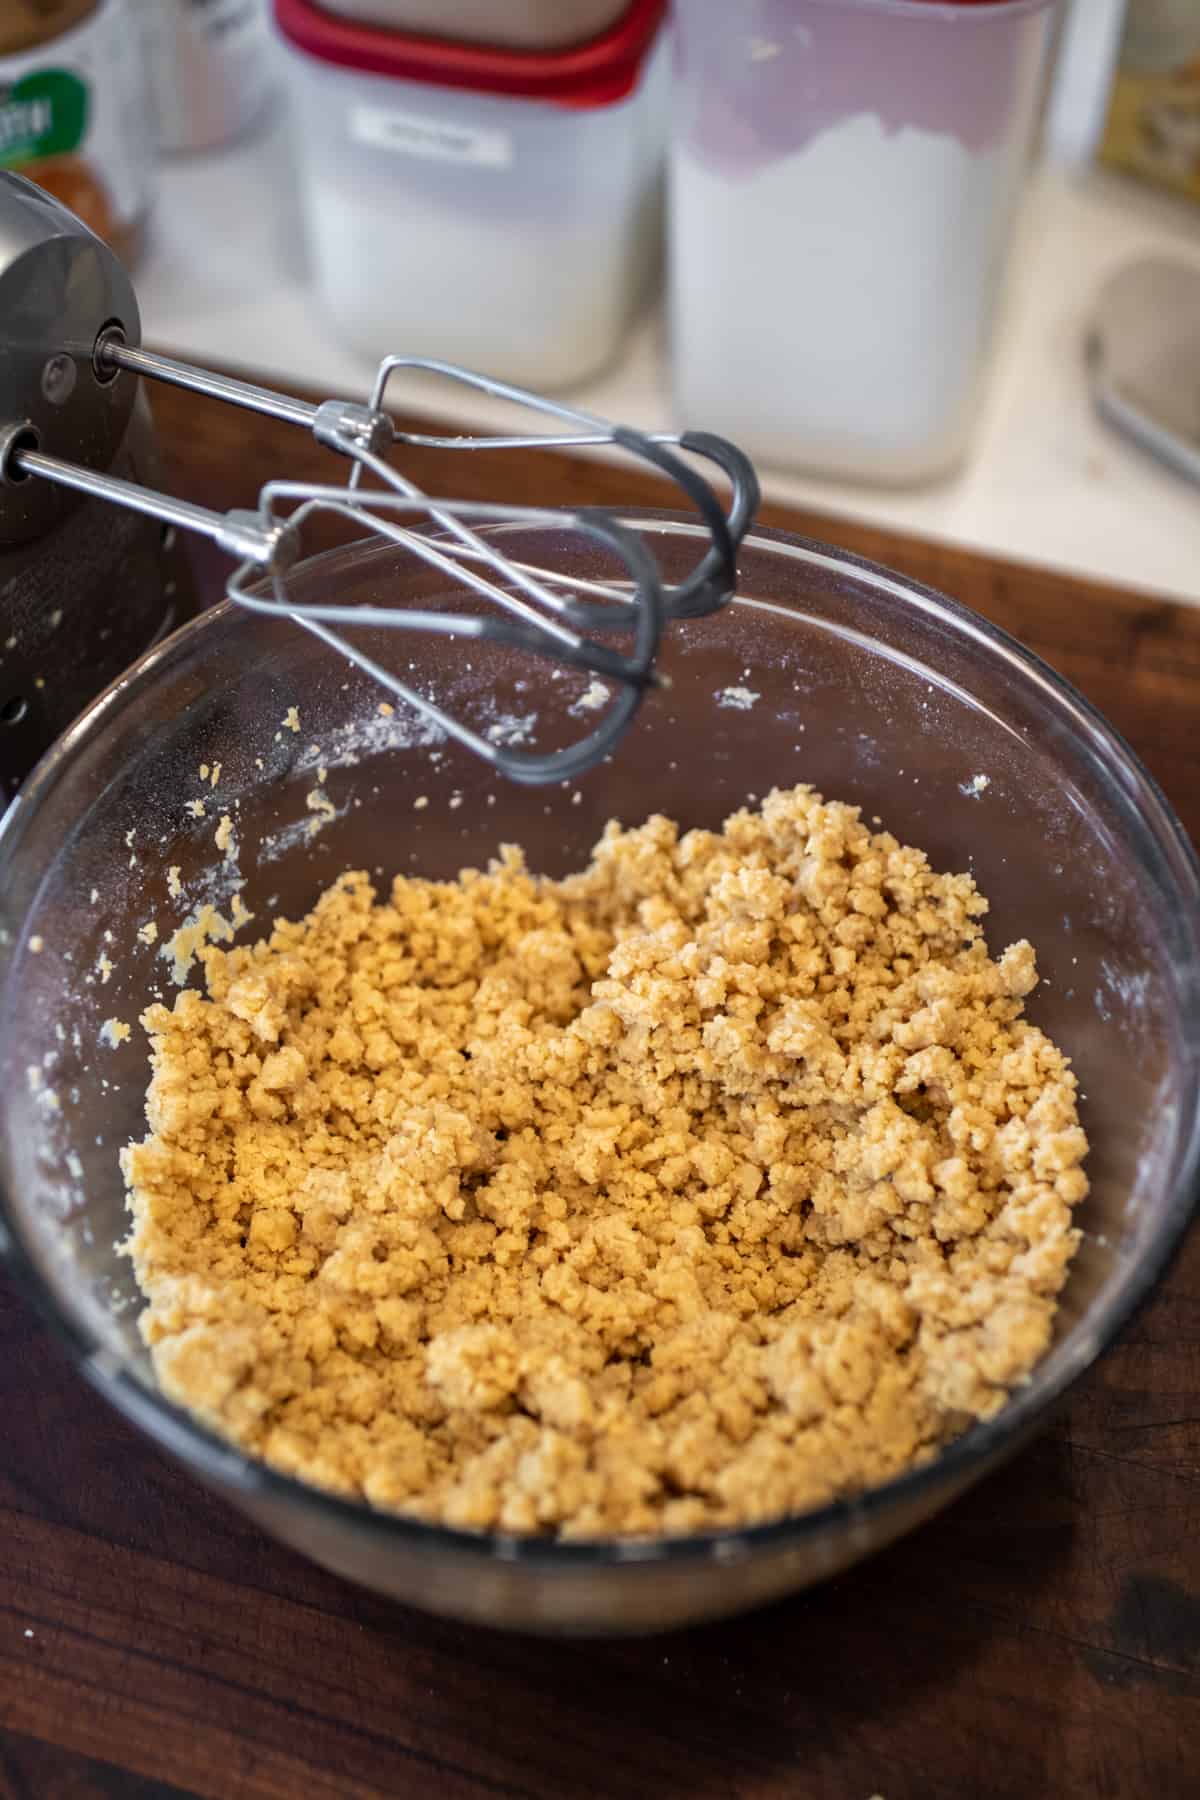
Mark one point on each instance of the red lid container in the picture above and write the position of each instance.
(598, 73)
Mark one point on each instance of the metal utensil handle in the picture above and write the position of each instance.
(326, 419)
(239, 533)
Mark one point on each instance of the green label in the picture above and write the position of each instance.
(44, 114)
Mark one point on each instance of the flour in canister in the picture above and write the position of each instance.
(831, 305)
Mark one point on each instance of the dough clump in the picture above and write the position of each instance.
(700, 1187)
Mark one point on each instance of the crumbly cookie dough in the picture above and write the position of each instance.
(714, 1181)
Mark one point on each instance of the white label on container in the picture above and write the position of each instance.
(416, 134)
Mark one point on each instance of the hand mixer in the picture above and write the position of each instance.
(70, 363)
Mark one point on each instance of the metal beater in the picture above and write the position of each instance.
(70, 362)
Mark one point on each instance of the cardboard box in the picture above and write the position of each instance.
(1152, 128)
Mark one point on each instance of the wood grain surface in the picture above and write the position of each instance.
(1039, 1639)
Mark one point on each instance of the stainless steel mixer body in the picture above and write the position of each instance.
(80, 604)
(84, 588)
(73, 435)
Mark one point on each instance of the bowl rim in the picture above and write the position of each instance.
(220, 1463)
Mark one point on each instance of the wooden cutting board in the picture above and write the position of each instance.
(1039, 1640)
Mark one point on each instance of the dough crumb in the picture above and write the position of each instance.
(511, 729)
(291, 718)
(593, 697)
(148, 933)
(189, 941)
(114, 1032)
(37, 944)
(174, 885)
(319, 803)
(707, 1184)
(742, 699)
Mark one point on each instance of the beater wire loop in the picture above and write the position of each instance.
(550, 613)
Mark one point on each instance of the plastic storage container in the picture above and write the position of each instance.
(519, 24)
(844, 181)
(496, 208)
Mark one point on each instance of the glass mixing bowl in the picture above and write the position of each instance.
(826, 670)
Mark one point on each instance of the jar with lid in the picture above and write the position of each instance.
(210, 69)
(73, 113)
(845, 175)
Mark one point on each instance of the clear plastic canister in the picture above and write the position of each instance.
(844, 179)
(491, 207)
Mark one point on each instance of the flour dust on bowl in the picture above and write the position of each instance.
(824, 671)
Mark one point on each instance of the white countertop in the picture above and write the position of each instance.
(224, 280)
